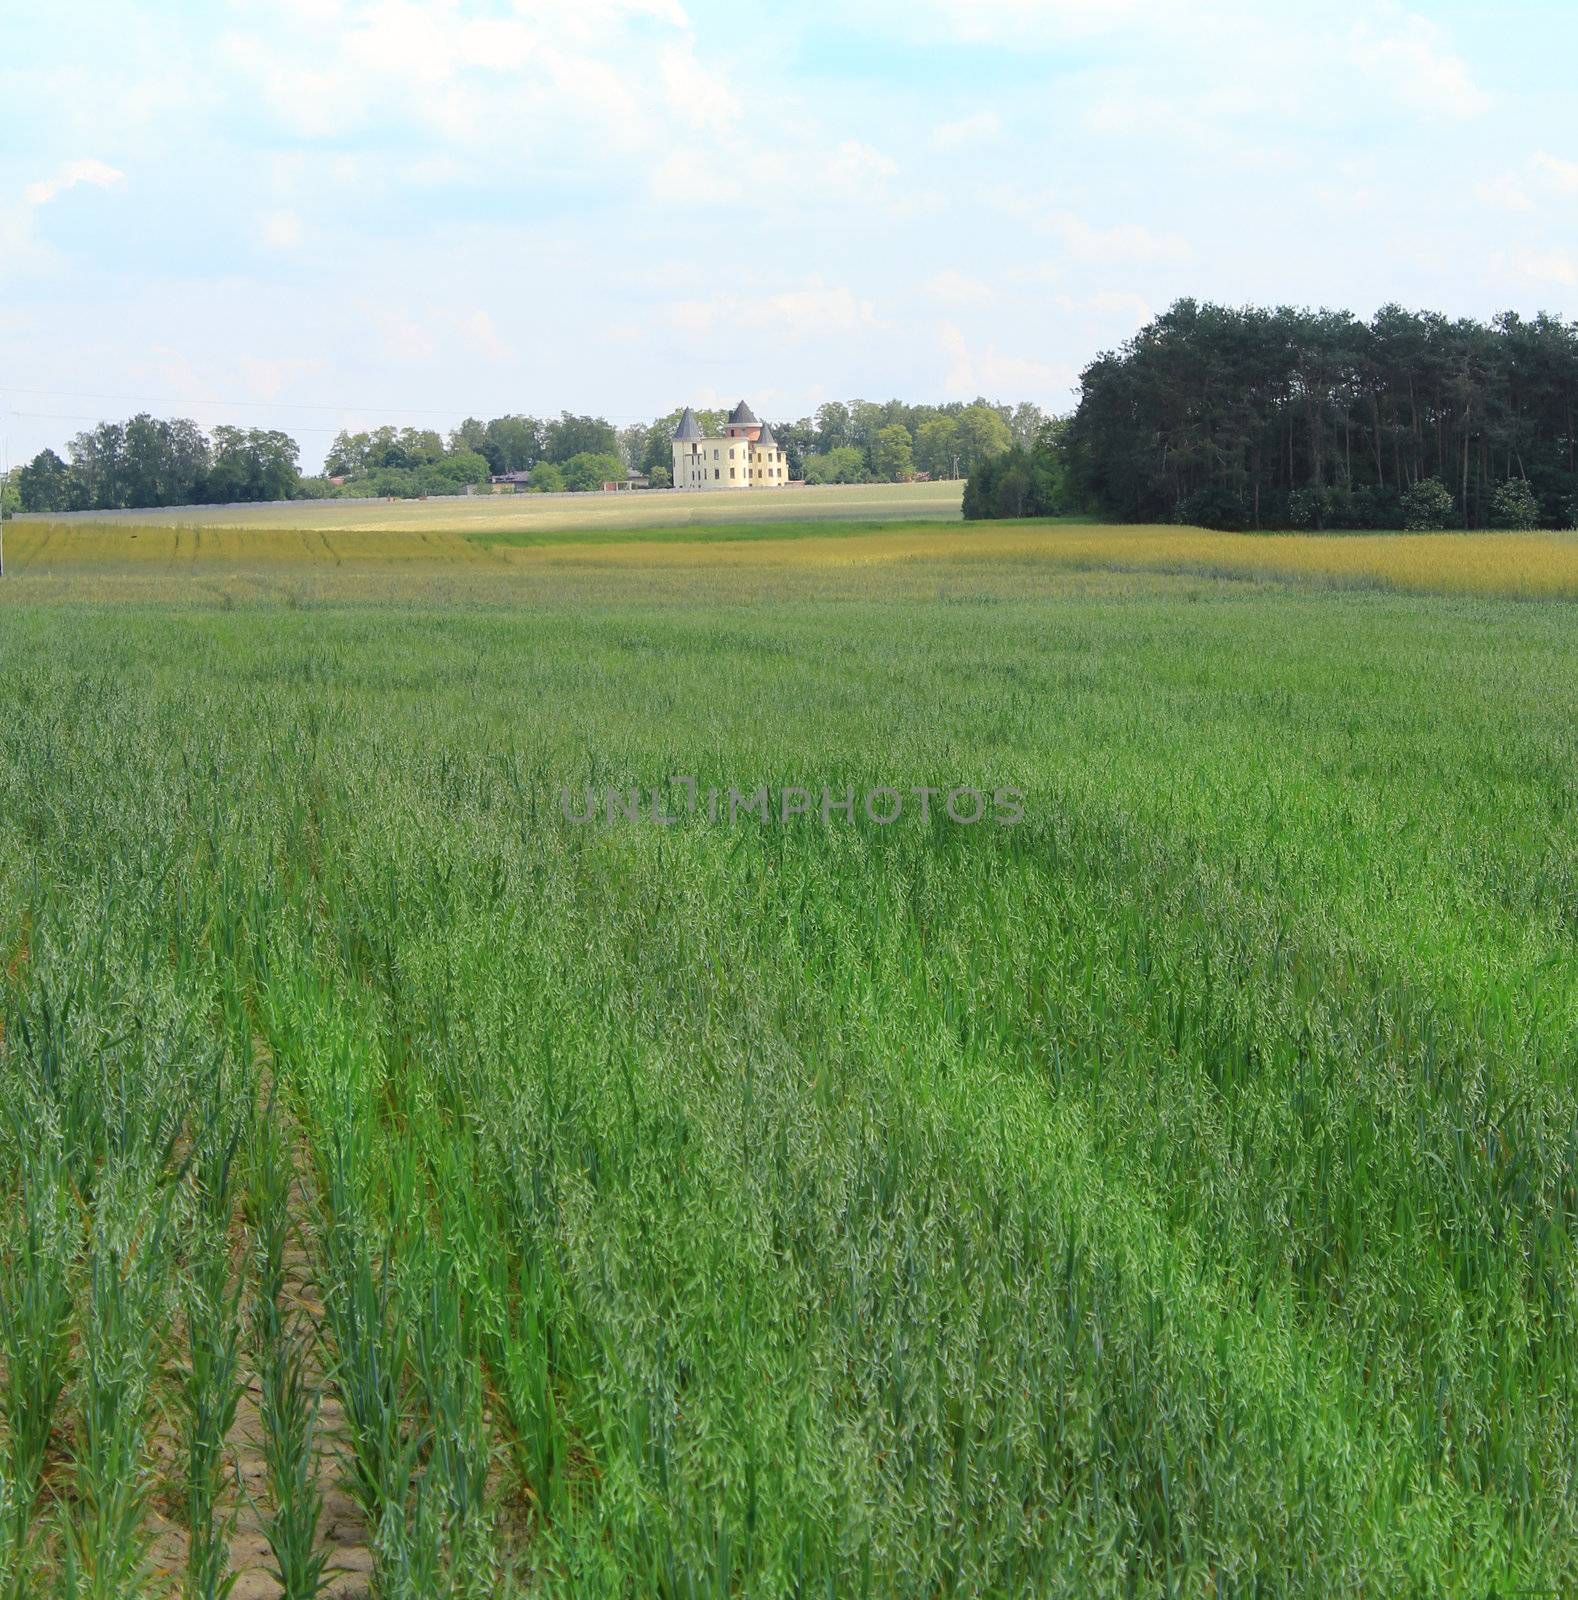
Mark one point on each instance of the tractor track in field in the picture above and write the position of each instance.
(342, 1530)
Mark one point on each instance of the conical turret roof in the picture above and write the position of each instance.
(766, 440)
(688, 428)
(742, 416)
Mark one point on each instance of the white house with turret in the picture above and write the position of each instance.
(745, 456)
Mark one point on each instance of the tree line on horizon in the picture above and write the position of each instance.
(1246, 418)
(149, 461)
(1227, 417)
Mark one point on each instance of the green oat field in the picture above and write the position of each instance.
(406, 1190)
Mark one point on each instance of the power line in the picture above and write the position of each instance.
(234, 405)
(64, 416)
(264, 405)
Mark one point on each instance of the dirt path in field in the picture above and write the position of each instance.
(342, 1530)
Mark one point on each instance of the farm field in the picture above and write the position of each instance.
(741, 561)
(871, 502)
(407, 1186)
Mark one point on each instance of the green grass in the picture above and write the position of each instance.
(1173, 1194)
(905, 502)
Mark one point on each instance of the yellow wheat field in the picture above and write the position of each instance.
(760, 558)
(1514, 564)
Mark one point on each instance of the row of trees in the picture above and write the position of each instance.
(1248, 418)
(508, 444)
(859, 442)
(1232, 417)
(863, 441)
(151, 462)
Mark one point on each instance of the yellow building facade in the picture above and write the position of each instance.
(744, 456)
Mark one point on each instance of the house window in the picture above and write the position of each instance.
(731, 472)
(716, 473)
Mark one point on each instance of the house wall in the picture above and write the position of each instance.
(689, 465)
(769, 468)
(708, 463)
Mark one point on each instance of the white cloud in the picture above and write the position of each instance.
(809, 312)
(88, 170)
(481, 332)
(1545, 266)
(970, 373)
(21, 249)
(317, 12)
(856, 166)
(269, 378)
(1046, 19)
(961, 371)
(1122, 306)
(1412, 62)
(695, 316)
(817, 310)
(1104, 306)
(795, 179)
(403, 334)
(1544, 174)
(1533, 265)
(18, 248)
(957, 288)
(475, 79)
(1504, 194)
(1122, 244)
(1560, 175)
(1125, 243)
(986, 127)
(687, 177)
(698, 95)
(589, 21)
(280, 230)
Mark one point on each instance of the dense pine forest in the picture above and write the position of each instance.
(1246, 418)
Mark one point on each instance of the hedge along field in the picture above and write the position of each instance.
(1172, 1193)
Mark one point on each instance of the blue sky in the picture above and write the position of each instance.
(321, 213)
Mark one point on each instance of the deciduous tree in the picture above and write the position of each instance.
(45, 484)
(575, 436)
(891, 458)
